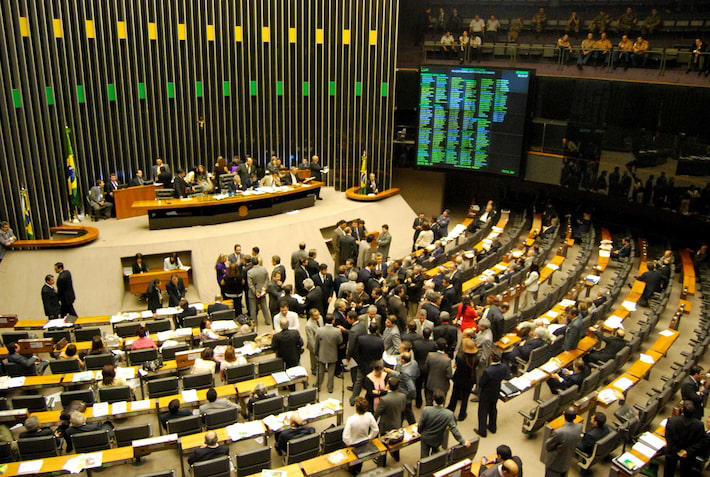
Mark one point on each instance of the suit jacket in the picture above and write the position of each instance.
(526, 348)
(689, 392)
(326, 285)
(384, 240)
(244, 172)
(491, 380)
(573, 334)
(348, 248)
(421, 349)
(390, 411)
(613, 344)
(358, 329)
(653, 282)
(363, 275)
(282, 270)
(316, 171)
(684, 433)
(450, 297)
(288, 180)
(369, 349)
(495, 316)
(450, 333)
(371, 187)
(156, 170)
(202, 454)
(288, 345)
(110, 187)
(314, 299)
(590, 438)
(432, 312)
(391, 339)
(50, 301)
(180, 186)
(328, 339)
(560, 447)
(165, 178)
(215, 307)
(433, 423)
(96, 195)
(300, 273)
(421, 326)
(142, 268)
(312, 266)
(136, 181)
(175, 292)
(437, 367)
(257, 278)
(65, 288)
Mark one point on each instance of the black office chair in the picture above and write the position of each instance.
(14, 336)
(460, 452)
(163, 387)
(267, 407)
(85, 395)
(303, 448)
(91, 441)
(126, 435)
(115, 394)
(14, 370)
(223, 315)
(168, 352)
(57, 335)
(602, 448)
(238, 374)
(142, 356)
(124, 330)
(183, 426)
(31, 403)
(239, 340)
(428, 465)
(332, 439)
(253, 462)
(6, 454)
(86, 334)
(4, 406)
(163, 473)
(37, 447)
(220, 418)
(271, 366)
(193, 321)
(214, 343)
(64, 366)
(156, 326)
(219, 467)
(301, 398)
(98, 361)
(198, 381)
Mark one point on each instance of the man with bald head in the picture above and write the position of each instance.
(210, 449)
(508, 468)
(295, 430)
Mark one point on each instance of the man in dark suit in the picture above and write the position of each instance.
(503, 453)
(612, 345)
(111, 187)
(324, 280)
(366, 272)
(312, 264)
(176, 290)
(296, 430)
(597, 432)
(156, 169)
(574, 330)
(449, 295)
(396, 306)
(174, 412)
(653, 281)
(372, 187)
(684, 438)
(448, 332)
(390, 412)
(693, 389)
(623, 252)
(165, 178)
(187, 310)
(358, 327)
(316, 173)
(314, 297)
(566, 379)
(180, 186)
(209, 450)
(348, 246)
(217, 305)
(292, 177)
(431, 306)
(368, 348)
(437, 367)
(379, 301)
(535, 338)
(65, 290)
(300, 273)
(287, 344)
(410, 334)
(422, 347)
(138, 179)
(561, 445)
(50, 299)
(489, 385)
(245, 170)
(278, 267)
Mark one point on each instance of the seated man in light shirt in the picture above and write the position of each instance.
(447, 43)
(476, 47)
(284, 312)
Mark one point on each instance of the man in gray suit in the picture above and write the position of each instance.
(384, 240)
(561, 445)
(358, 328)
(257, 279)
(390, 411)
(371, 317)
(328, 339)
(434, 422)
(156, 168)
(237, 255)
(298, 255)
(97, 201)
(314, 323)
(338, 233)
(245, 170)
(574, 331)
(422, 322)
(438, 371)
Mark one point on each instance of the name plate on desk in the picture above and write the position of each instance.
(8, 321)
(37, 345)
(185, 359)
(143, 447)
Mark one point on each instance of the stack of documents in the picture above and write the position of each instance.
(57, 323)
(243, 430)
(652, 440)
(224, 325)
(296, 372)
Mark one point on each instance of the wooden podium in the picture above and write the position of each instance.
(138, 282)
(123, 200)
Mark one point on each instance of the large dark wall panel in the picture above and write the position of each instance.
(188, 81)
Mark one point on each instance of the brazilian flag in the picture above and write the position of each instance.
(72, 184)
(26, 214)
(363, 173)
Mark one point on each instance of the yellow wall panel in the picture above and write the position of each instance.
(346, 37)
(90, 29)
(58, 31)
(182, 32)
(238, 34)
(265, 34)
(319, 36)
(121, 30)
(292, 35)
(373, 37)
(152, 31)
(210, 32)
(24, 26)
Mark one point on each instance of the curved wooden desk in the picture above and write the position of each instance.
(353, 194)
(84, 235)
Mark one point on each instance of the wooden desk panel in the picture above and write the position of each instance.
(84, 235)
(30, 324)
(354, 194)
(118, 455)
(321, 464)
(138, 282)
(92, 321)
(124, 198)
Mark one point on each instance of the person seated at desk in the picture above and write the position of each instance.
(622, 252)
(502, 464)
(206, 330)
(231, 360)
(252, 182)
(174, 412)
(566, 378)
(217, 305)
(257, 394)
(172, 262)
(653, 280)
(236, 185)
(153, 295)
(111, 186)
(138, 179)
(30, 365)
(216, 404)
(534, 338)
(33, 429)
(597, 432)
(165, 178)
(70, 352)
(180, 186)
(201, 179)
(78, 425)
(176, 290)
(98, 202)
(7, 237)
(371, 187)
(144, 341)
(292, 177)
(613, 343)
(296, 430)
(209, 450)
(109, 379)
(97, 346)
(205, 363)
(187, 310)
(139, 266)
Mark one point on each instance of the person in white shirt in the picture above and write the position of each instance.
(464, 41)
(205, 363)
(475, 43)
(206, 331)
(291, 316)
(447, 43)
(172, 262)
(360, 427)
(492, 26)
(477, 26)
(532, 285)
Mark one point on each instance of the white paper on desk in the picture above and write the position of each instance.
(223, 325)
(274, 423)
(146, 314)
(628, 457)
(623, 383)
(100, 409)
(126, 373)
(4, 381)
(488, 272)
(155, 440)
(57, 323)
(296, 372)
(198, 306)
(646, 358)
(166, 335)
(552, 266)
(613, 322)
(554, 327)
(30, 467)
(183, 332)
(117, 318)
(517, 253)
(666, 333)
(521, 382)
(500, 267)
(337, 458)
(83, 376)
(550, 367)
(653, 441)
(140, 405)
(95, 459)
(536, 374)
(644, 450)
(552, 314)
(168, 344)
(566, 302)
(281, 377)
(16, 382)
(120, 407)
(243, 430)
(134, 315)
(604, 253)
(607, 396)
(189, 395)
(629, 305)
(74, 465)
(592, 279)
(171, 310)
